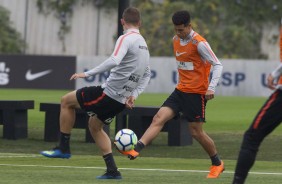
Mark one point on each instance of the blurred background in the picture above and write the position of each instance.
(43, 42)
(246, 29)
(244, 34)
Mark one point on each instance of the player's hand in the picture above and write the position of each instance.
(209, 95)
(270, 82)
(77, 75)
(129, 103)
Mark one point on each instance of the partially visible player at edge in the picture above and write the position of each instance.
(194, 58)
(280, 79)
(129, 75)
(266, 120)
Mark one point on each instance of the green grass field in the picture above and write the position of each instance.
(227, 119)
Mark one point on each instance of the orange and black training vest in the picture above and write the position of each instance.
(193, 71)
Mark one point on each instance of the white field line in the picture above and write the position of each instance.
(17, 155)
(11, 155)
(134, 169)
(25, 154)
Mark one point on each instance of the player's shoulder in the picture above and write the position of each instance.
(125, 39)
(132, 36)
(198, 38)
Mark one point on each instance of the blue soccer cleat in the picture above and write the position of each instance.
(55, 153)
(110, 175)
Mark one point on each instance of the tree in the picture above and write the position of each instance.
(10, 39)
(233, 28)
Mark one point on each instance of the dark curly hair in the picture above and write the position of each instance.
(181, 17)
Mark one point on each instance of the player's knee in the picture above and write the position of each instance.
(158, 120)
(64, 101)
(94, 126)
(196, 133)
(69, 101)
(251, 141)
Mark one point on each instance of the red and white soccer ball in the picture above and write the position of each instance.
(125, 140)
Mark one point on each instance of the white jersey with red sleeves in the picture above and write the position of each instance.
(129, 65)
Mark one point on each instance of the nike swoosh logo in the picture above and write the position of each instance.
(179, 53)
(32, 76)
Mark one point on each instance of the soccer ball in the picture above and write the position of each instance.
(125, 140)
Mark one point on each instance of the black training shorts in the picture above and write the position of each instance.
(95, 102)
(192, 106)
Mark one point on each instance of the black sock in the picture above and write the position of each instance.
(110, 162)
(215, 160)
(65, 142)
(139, 146)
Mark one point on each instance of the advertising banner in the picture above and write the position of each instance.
(245, 78)
(239, 77)
(37, 72)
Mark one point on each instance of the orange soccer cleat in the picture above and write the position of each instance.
(132, 154)
(215, 171)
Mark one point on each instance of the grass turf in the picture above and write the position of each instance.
(83, 169)
(227, 119)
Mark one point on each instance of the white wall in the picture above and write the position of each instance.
(42, 30)
(17, 13)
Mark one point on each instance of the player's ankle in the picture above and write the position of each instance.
(139, 146)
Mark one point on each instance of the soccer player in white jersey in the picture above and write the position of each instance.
(266, 120)
(129, 75)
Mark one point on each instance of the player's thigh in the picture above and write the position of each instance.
(70, 100)
(163, 115)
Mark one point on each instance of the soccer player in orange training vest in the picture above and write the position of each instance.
(194, 58)
(266, 120)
